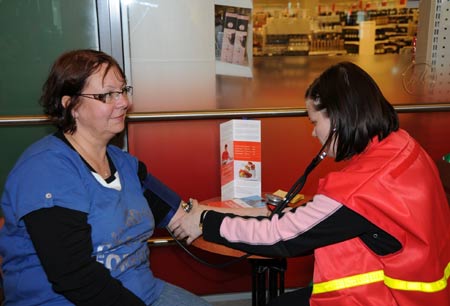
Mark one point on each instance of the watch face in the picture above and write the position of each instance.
(187, 206)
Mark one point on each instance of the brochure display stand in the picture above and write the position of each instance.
(240, 153)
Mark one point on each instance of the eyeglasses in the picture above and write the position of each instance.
(111, 96)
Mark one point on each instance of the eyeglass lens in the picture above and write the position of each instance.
(115, 95)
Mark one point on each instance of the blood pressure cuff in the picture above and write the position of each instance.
(163, 201)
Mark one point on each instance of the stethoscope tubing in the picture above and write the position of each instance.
(298, 185)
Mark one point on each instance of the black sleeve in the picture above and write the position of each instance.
(62, 239)
(341, 225)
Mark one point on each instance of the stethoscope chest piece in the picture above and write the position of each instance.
(272, 201)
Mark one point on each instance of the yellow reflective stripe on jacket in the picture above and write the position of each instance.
(378, 276)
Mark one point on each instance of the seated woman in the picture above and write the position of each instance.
(78, 211)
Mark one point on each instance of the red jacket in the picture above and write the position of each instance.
(395, 185)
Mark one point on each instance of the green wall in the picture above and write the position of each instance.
(33, 33)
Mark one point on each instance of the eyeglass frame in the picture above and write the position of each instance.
(126, 92)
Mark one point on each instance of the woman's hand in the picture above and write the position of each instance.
(178, 214)
(187, 226)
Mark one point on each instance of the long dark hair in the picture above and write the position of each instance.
(68, 77)
(357, 109)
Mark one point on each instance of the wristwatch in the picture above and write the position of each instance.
(187, 206)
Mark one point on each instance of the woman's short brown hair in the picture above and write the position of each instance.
(68, 77)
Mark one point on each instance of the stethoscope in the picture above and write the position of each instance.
(281, 203)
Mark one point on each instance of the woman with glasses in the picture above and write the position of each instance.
(78, 211)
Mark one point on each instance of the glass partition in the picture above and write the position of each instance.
(33, 34)
(172, 64)
(171, 54)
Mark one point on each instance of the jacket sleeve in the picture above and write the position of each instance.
(297, 232)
